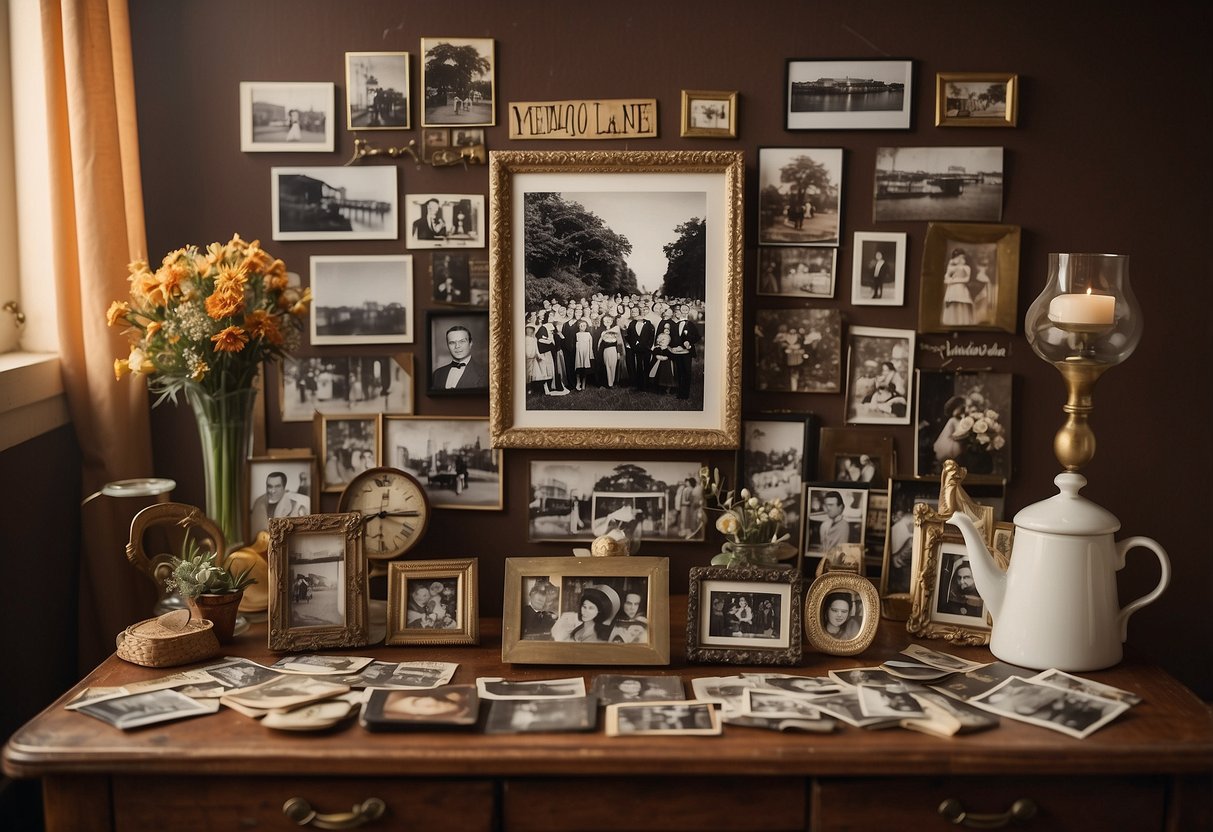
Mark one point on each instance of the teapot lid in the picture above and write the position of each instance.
(1067, 512)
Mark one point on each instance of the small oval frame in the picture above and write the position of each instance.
(818, 638)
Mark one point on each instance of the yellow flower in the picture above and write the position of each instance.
(136, 266)
(137, 363)
(260, 324)
(174, 256)
(199, 371)
(121, 368)
(230, 339)
(300, 306)
(118, 311)
(227, 300)
(275, 276)
(152, 328)
(215, 253)
(257, 260)
(728, 524)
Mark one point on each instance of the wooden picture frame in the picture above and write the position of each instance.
(996, 247)
(377, 91)
(441, 60)
(317, 560)
(346, 446)
(457, 336)
(777, 453)
(842, 451)
(709, 114)
(450, 456)
(716, 635)
(879, 94)
(361, 299)
(273, 118)
(694, 196)
(976, 99)
(300, 488)
(432, 621)
(858, 591)
(541, 623)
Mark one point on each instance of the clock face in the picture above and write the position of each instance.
(394, 509)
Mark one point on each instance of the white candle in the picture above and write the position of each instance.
(1098, 310)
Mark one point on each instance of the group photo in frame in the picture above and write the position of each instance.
(334, 203)
(286, 117)
(970, 278)
(798, 350)
(362, 299)
(450, 456)
(836, 515)
(797, 272)
(586, 611)
(445, 220)
(799, 196)
(317, 575)
(880, 365)
(432, 602)
(878, 268)
(775, 456)
(458, 82)
(377, 91)
(938, 183)
(345, 384)
(744, 615)
(848, 94)
(864, 455)
(280, 486)
(639, 344)
(841, 614)
(964, 416)
(579, 500)
(348, 445)
(976, 99)
(709, 114)
(457, 347)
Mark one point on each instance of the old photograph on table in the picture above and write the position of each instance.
(334, 203)
(880, 364)
(938, 183)
(377, 91)
(317, 575)
(457, 352)
(744, 615)
(797, 271)
(280, 487)
(586, 610)
(457, 77)
(362, 299)
(970, 278)
(777, 704)
(836, 515)
(798, 350)
(432, 602)
(536, 716)
(657, 500)
(616, 286)
(345, 384)
(447, 705)
(286, 117)
(976, 99)
(451, 277)
(662, 718)
(445, 220)
(848, 94)
(964, 416)
(610, 688)
(856, 455)
(348, 445)
(496, 687)
(450, 456)
(140, 709)
(799, 195)
(775, 453)
(878, 269)
(1067, 711)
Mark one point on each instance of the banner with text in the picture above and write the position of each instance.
(616, 118)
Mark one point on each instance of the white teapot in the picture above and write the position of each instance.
(1056, 606)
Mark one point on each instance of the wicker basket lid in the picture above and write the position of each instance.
(167, 641)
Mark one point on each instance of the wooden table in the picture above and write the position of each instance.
(1148, 770)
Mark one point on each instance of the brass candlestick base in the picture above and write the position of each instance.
(1074, 444)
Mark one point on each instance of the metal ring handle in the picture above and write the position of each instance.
(301, 812)
(1023, 809)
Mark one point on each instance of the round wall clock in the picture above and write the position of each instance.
(395, 510)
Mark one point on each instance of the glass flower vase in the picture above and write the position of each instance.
(225, 429)
(766, 555)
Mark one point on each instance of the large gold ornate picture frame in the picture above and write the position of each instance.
(666, 229)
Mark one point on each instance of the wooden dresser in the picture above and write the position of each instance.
(1152, 769)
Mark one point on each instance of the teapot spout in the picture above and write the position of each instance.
(991, 581)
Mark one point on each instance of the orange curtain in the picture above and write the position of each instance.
(97, 227)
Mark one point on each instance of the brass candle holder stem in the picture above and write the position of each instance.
(1074, 444)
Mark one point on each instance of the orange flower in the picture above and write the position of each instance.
(224, 304)
(152, 329)
(275, 276)
(230, 339)
(117, 312)
(143, 284)
(261, 324)
(300, 306)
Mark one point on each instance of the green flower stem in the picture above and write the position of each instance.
(225, 429)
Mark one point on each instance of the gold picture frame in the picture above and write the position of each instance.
(988, 249)
(822, 592)
(961, 101)
(709, 114)
(541, 623)
(318, 582)
(700, 192)
(432, 621)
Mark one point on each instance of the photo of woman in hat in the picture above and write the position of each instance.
(591, 621)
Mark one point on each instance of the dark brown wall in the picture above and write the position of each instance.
(1111, 154)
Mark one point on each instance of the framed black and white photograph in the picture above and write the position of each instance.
(377, 91)
(280, 487)
(434, 140)
(286, 117)
(445, 220)
(457, 76)
(880, 364)
(836, 516)
(451, 277)
(878, 269)
(457, 352)
(318, 591)
(976, 99)
(709, 114)
(744, 615)
(362, 299)
(450, 456)
(344, 385)
(965, 416)
(335, 203)
(895, 573)
(432, 602)
(586, 611)
(797, 272)
(467, 136)
(864, 455)
(579, 500)
(799, 196)
(776, 454)
(938, 183)
(631, 340)
(970, 278)
(841, 613)
(683, 718)
(849, 94)
(798, 350)
(348, 445)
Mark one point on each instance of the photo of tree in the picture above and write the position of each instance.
(800, 196)
(457, 80)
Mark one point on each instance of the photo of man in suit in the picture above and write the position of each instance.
(638, 336)
(462, 372)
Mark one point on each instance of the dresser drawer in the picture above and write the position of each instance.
(1061, 803)
(186, 804)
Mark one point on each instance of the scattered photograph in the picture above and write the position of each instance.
(961, 717)
(139, 709)
(966, 417)
(774, 454)
(458, 350)
(321, 665)
(669, 718)
(286, 692)
(349, 445)
(938, 183)
(980, 680)
(878, 269)
(377, 90)
(799, 195)
(797, 272)
(849, 95)
(286, 117)
(942, 661)
(1067, 711)
(403, 675)
(1061, 679)
(448, 455)
(445, 220)
(280, 487)
(798, 350)
(536, 716)
(800, 684)
(494, 687)
(345, 384)
(334, 203)
(970, 277)
(451, 277)
(448, 705)
(887, 700)
(457, 77)
(240, 673)
(709, 114)
(857, 676)
(836, 515)
(612, 688)
(880, 364)
(777, 704)
(976, 99)
(845, 706)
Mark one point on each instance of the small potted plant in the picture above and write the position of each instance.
(211, 591)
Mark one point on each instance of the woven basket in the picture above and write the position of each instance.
(153, 644)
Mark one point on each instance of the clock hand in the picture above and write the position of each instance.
(379, 515)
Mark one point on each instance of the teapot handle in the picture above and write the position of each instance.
(1122, 549)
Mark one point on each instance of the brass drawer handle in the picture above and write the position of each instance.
(953, 810)
(301, 812)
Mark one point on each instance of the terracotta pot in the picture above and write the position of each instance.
(220, 610)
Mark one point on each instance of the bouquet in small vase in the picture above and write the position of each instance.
(754, 528)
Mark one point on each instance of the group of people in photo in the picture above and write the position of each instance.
(741, 616)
